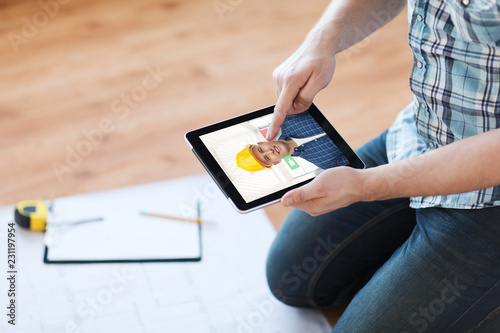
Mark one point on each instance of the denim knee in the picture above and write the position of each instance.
(282, 282)
(290, 266)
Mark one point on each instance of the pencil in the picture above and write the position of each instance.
(175, 218)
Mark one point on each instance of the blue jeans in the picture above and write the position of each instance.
(401, 269)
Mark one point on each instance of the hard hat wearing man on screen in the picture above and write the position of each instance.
(300, 136)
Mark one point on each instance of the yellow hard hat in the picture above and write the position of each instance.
(246, 161)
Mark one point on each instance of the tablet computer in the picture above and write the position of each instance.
(253, 172)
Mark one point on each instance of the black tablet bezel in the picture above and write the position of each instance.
(223, 181)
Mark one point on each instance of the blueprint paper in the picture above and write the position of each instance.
(225, 292)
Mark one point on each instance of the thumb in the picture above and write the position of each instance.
(300, 195)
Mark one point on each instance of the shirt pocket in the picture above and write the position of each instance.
(476, 20)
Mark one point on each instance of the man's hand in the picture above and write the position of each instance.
(466, 165)
(332, 189)
(298, 80)
(311, 67)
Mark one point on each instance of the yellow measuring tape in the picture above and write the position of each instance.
(31, 214)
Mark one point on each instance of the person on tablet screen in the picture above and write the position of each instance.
(300, 136)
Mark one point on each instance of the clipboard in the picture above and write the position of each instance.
(116, 231)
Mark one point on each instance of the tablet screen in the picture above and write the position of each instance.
(258, 168)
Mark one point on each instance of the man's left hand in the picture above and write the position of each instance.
(332, 189)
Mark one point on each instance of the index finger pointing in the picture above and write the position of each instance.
(278, 118)
(281, 110)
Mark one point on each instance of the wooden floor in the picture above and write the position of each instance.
(97, 94)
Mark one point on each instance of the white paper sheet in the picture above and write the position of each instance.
(225, 292)
(124, 234)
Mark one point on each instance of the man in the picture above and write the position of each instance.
(413, 241)
(300, 136)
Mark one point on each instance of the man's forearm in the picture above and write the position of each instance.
(346, 22)
(465, 165)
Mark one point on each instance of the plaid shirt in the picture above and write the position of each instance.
(456, 83)
(322, 151)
